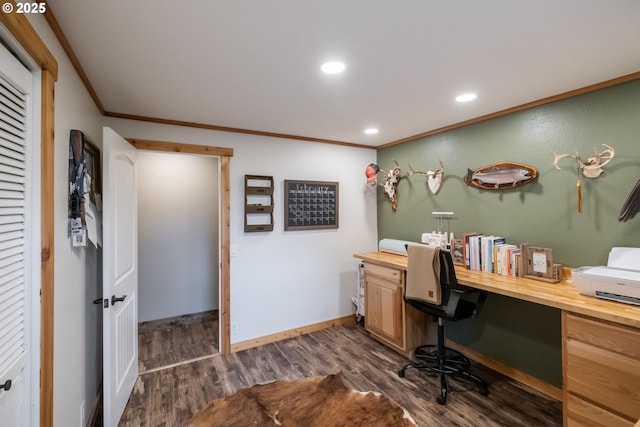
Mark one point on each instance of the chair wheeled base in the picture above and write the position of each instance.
(445, 362)
(432, 288)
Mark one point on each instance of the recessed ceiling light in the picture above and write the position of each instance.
(466, 97)
(371, 131)
(333, 67)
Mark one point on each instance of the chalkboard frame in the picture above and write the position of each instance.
(331, 198)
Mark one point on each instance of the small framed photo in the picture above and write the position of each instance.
(538, 264)
(456, 251)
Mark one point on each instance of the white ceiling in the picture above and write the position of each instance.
(255, 64)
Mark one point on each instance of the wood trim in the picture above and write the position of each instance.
(57, 30)
(522, 377)
(66, 46)
(47, 249)
(225, 155)
(543, 101)
(20, 27)
(225, 264)
(291, 333)
(175, 147)
(230, 129)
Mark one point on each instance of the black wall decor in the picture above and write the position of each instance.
(310, 205)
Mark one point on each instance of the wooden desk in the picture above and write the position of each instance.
(601, 342)
(561, 295)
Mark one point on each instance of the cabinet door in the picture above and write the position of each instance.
(383, 304)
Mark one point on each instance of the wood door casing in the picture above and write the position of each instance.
(225, 155)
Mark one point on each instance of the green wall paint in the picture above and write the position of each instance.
(543, 213)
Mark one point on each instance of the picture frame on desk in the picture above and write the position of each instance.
(538, 264)
(457, 251)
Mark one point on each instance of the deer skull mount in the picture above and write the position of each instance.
(592, 168)
(391, 181)
(434, 177)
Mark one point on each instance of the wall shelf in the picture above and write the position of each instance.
(258, 203)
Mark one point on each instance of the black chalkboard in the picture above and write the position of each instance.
(310, 205)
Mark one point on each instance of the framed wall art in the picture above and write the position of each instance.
(310, 205)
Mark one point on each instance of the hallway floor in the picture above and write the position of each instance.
(170, 342)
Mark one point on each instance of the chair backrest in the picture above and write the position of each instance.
(448, 279)
(427, 268)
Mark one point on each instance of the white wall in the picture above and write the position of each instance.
(284, 280)
(77, 353)
(177, 234)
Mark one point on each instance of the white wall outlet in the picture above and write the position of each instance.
(234, 328)
(234, 250)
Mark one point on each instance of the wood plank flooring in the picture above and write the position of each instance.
(170, 397)
(171, 341)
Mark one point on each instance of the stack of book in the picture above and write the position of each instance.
(490, 253)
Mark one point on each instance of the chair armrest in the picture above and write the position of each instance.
(452, 303)
(479, 303)
(456, 295)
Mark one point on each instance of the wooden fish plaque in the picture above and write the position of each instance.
(501, 176)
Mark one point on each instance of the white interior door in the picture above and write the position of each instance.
(15, 239)
(120, 275)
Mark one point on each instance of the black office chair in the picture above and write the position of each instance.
(455, 304)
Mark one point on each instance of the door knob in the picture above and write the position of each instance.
(115, 299)
(6, 386)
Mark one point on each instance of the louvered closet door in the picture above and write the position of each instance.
(13, 277)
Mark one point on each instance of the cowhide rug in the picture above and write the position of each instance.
(309, 402)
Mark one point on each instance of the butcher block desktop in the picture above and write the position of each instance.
(601, 339)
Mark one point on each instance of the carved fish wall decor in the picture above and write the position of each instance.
(501, 176)
(632, 206)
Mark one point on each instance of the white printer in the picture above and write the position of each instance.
(618, 281)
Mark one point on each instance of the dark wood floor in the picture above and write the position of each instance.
(170, 397)
(167, 342)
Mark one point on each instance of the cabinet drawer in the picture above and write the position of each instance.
(390, 274)
(582, 413)
(608, 378)
(614, 337)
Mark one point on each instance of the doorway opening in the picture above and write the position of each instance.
(224, 190)
(178, 244)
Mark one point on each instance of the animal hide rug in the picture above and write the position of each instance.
(309, 402)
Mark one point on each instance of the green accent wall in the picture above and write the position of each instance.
(543, 213)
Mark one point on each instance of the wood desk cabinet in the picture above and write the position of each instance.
(387, 317)
(601, 339)
(601, 372)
